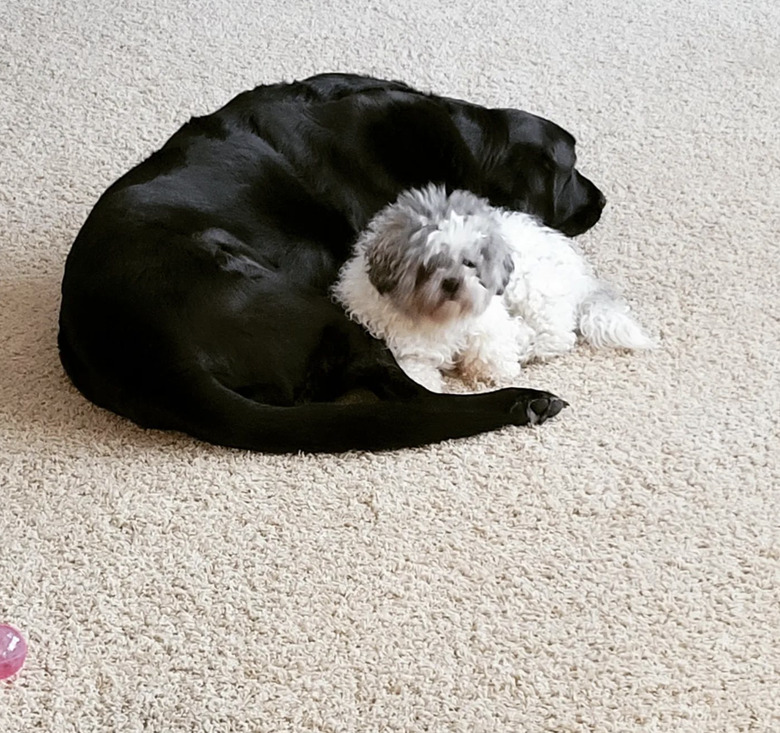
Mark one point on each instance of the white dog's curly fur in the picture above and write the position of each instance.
(451, 283)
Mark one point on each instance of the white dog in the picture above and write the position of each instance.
(451, 283)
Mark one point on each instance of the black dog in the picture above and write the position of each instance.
(195, 297)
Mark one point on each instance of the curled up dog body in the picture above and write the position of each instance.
(453, 284)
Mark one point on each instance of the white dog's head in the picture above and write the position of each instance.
(438, 256)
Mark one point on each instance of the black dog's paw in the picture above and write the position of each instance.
(534, 407)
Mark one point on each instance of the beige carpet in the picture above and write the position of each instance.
(616, 570)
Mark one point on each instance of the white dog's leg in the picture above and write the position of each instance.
(494, 347)
(555, 331)
(549, 325)
(423, 372)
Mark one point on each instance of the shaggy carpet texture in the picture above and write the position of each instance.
(617, 569)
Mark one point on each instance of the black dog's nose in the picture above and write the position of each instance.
(450, 286)
(602, 202)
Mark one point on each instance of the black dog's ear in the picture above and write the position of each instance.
(560, 153)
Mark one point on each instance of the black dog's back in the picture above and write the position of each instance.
(196, 296)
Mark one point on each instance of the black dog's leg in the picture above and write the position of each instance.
(377, 370)
(373, 367)
(524, 406)
(347, 359)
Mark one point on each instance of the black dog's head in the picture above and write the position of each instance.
(529, 166)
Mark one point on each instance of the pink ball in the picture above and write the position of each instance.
(13, 650)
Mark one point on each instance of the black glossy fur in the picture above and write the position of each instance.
(195, 296)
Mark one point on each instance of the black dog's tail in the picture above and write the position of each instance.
(219, 415)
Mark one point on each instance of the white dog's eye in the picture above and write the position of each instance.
(469, 263)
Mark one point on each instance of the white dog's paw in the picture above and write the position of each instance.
(549, 344)
(489, 371)
(424, 374)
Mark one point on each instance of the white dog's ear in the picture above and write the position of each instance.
(496, 264)
(508, 269)
(383, 266)
(396, 239)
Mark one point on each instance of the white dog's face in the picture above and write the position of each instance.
(437, 256)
